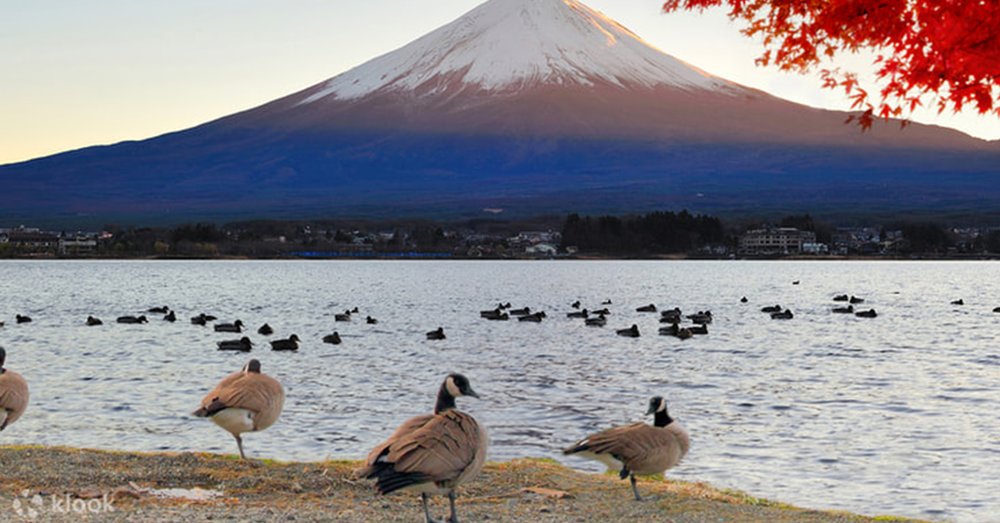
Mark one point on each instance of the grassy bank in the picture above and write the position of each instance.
(523, 490)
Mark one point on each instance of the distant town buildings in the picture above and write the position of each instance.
(771, 241)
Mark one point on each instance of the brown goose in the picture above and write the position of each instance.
(245, 401)
(432, 454)
(638, 448)
(13, 394)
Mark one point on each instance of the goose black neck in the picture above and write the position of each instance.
(662, 419)
(445, 401)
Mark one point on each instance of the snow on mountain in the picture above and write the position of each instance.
(510, 44)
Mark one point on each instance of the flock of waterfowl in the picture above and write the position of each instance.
(435, 453)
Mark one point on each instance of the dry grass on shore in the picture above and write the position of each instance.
(307, 492)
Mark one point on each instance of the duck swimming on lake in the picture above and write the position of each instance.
(332, 339)
(345, 316)
(867, 314)
(533, 318)
(371, 321)
(436, 334)
(840, 297)
(958, 302)
(855, 300)
(242, 345)
(22, 319)
(171, 317)
(158, 310)
(579, 314)
(92, 321)
(771, 310)
(647, 308)
(783, 315)
(292, 343)
(631, 332)
(520, 312)
(132, 320)
(844, 310)
(599, 321)
(265, 330)
(236, 326)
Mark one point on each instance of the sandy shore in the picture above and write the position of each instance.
(71, 485)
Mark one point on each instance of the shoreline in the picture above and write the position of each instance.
(133, 485)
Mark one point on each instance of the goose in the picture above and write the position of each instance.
(265, 330)
(772, 309)
(244, 401)
(158, 310)
(870, 313)
(92, 321)
(346, 316)
(236, 326)
(599, 321)
(631, 332)
(371, 321)
(243, 345)
(783, 315)
(841, 297)
(581, 314)
(647, 308)
(13, 394)
(958, 302)
(844, 310)
(533, 318)
(333, 339)
(171, 317)
(432, 454)
(22, 319)
(132, 320)
(576, 304)
(638, 448)
(436, 334)
(292, 343)
(855, 300)
(520, 312)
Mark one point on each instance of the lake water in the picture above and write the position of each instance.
(900, 414)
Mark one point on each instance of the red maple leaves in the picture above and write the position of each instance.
(946, 49)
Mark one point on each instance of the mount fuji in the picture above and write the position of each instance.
(530, 106)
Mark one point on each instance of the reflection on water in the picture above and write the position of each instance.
(891, 415)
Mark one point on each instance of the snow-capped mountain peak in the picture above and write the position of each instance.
(510, 44)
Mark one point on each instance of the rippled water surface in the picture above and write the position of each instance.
(900, 414)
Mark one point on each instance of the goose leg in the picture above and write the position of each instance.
(635, 490)
(427, 511)
(239, 443)
(453, 518)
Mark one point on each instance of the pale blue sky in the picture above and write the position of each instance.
(78, 73)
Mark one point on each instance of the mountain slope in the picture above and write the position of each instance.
(528, 105)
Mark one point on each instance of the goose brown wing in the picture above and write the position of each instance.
(629, 444)
(251, 391)
(13, 396)
(440, 449)
(409, 426)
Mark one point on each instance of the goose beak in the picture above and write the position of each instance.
(472, 393)
(651, 410)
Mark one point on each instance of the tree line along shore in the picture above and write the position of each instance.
(144, 487)
(652, 235)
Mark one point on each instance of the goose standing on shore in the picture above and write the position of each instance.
(432, 454)
(638, 448)
(244, 401)
(13, 394)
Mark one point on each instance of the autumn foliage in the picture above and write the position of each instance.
(946, 52)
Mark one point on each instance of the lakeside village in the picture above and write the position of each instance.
(660, 234)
